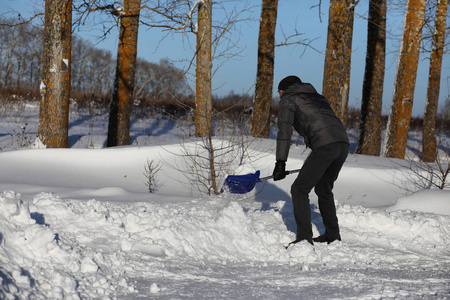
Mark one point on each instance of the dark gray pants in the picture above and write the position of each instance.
(320, 171)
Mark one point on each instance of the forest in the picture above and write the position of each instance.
(41, 56)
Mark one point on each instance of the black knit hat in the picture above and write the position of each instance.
(287, 82)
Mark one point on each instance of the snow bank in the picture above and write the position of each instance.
(432, 201)
(410, 231)
(71, 249)
(39, 261)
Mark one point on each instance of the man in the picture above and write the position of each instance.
(310, 114)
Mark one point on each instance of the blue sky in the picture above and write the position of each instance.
(239, 74)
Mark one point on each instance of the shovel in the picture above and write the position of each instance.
(241, 184)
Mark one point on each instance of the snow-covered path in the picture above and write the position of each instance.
(215, 248)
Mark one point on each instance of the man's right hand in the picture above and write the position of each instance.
(280, 170)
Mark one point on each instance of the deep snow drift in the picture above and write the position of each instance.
(80, 223)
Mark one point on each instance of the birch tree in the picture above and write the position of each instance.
(434, 80)
(264, 75)
(55, 87)
(120, 106)
(405, 80)
(336, 81)
(203, 102)
(371, 107)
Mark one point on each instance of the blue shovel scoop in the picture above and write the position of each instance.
(241, 184)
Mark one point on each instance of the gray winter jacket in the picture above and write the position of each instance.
(310, 114)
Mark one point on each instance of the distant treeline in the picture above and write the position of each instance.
(92, 69)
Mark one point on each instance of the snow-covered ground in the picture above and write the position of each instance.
(79, 223)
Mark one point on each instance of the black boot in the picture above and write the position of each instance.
(324, 238)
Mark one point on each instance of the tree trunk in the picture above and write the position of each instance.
(264, 75)
(371, 107)
(434, 80)
(336, 81)
(121, 101)
(203, 103)
(55, 86)
(405, 81)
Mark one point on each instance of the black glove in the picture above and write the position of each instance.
(280, 170)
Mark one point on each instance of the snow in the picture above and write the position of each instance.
(79, 223)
